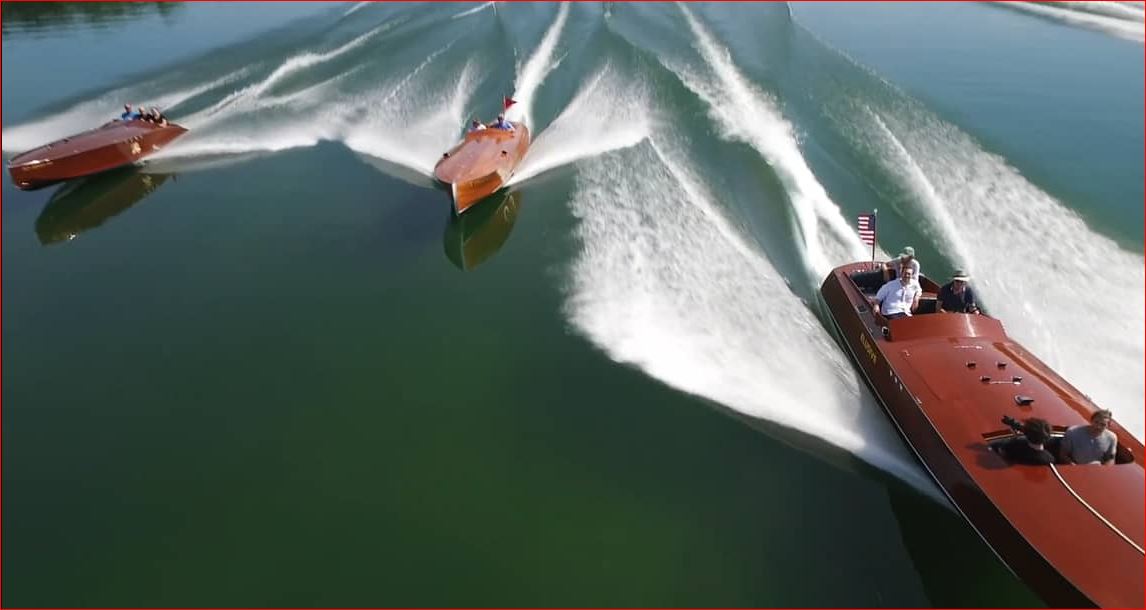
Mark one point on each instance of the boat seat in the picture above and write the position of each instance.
(1122, 455)
(1052, 445)
(869, 281)
(928, 303)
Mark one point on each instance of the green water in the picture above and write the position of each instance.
(259, 370)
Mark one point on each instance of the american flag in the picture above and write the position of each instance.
(867, 228)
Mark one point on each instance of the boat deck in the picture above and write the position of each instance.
(947, 380)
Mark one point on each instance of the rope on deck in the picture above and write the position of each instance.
(1093, 511)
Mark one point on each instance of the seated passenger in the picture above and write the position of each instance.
(501, 123)
(905, 258)
(475, 125)
(158, 117)
(1028, 448)
(1090, 444)
(128, 115)
(899, 298)
(956, 296)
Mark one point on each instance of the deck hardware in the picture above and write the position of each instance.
(1001, 365)
(985, 379)
(1016, 380)
(1023, 400)
(971, 364)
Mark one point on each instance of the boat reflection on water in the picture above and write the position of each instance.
(88, 203)
(473, 237)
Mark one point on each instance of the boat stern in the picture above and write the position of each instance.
(469, 193)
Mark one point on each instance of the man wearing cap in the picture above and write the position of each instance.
(475, 125)
(906, 258)
(956, 296)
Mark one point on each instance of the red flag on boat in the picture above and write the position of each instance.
(506, 102)
(867, 228)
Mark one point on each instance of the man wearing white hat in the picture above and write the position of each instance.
(956, 296)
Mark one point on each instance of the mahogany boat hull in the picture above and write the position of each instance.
(481, 164)
(105, 148)
(920, 372)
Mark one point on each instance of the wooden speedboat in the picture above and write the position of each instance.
(473, 238)
(1073, 533)
(113, 145)
(87, 204)
(481, 163)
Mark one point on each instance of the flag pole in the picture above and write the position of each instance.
(875, 234)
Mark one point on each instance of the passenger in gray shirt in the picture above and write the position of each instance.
(1090, 444)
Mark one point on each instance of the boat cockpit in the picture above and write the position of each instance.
(869, 283)
(994, 438)
(926, 322)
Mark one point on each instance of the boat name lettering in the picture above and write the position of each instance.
(867, 346)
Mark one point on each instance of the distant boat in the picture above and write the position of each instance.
(87, 204)
(481, 164)
(113, 145)
(1072, 533)
(472, 239)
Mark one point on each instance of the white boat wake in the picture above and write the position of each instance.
(1032, 259)
(828, 240)
(536, 68)
(1122, 21)
(675, 290)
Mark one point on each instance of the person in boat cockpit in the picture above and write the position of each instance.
(1028, 448)
(1090, 444)
(158, 117)
(906, 258)
(128, 114)
(501, 123)
(899, 298)
(956, 296)
(475, 125)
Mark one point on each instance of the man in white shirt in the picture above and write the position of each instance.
(899, 298)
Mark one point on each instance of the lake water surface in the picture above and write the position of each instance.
(269, 368)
